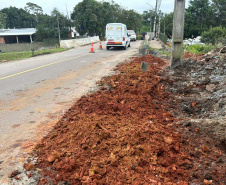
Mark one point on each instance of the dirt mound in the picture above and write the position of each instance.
(119, 135)
(125, 133)
(199, 87)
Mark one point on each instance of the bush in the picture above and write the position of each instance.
(139, 37)
(198, 49)
(145, 29)
(214, 36)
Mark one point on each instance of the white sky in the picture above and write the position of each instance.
(48, 5)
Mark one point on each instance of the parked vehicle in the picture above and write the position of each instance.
(116, 36)
(132, 35)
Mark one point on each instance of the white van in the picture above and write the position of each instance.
(116, 36)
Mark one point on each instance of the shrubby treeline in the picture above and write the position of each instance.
(90, 17)
(199, 17)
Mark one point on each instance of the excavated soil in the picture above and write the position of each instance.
(131, 131)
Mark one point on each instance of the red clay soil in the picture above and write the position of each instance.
(193, 56)
(122, 134)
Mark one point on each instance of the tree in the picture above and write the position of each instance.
(148, 16)
(198, 17)
(48, 26)
(34, 9)
(220, 11)
(87, 17)
(91, 17)
(2, 20)
(17, 18)
(167, 22)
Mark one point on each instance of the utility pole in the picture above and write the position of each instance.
(164, 26)
(154, 29)
(159, 26)
(178, 33)
(58, 28)
(150, 21)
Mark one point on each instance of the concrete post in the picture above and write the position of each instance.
(178, 33)
(17, 40)
(150, 20)
(31, 38)
(58, 24)
(154, 29)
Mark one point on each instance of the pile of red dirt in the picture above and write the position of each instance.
(193, 56)
(123, 134)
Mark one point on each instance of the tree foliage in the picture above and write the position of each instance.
(167, 24)
(2, 20)
(48, 26)
(199, 17)
(34, 9)
(91, 17)
(214, 35)
(18, 18)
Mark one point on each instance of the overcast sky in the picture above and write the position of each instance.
(48, 5)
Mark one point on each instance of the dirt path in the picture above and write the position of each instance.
(155, 44)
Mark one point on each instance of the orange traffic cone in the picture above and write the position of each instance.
(100, 46)
(92, 49)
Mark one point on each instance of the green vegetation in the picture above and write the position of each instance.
(198, 49)
(214, 35)
(27, 54)
(32, 17)
(199, 17)
(139, 37)
(91, 17)
(165, 53)
(2, 20)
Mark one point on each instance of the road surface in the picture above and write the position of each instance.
(36, 92)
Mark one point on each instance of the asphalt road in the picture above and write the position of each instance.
(36, 92)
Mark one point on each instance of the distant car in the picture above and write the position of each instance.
(132, 35)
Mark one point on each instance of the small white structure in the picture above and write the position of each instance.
(74, 33)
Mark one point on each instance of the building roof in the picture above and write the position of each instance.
(16, 32)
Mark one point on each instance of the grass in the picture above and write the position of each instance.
(27, 54)
(164, 52)
(198, 49)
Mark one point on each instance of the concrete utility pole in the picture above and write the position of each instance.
(150, 21)
(178, 32)
(154, 29)
(58, 24)
(164, 26)
(159, 26)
